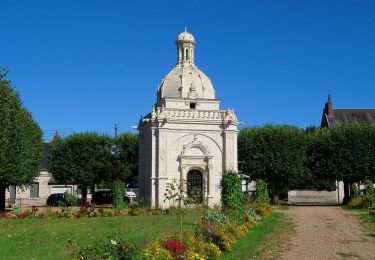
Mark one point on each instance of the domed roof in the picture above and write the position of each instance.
(186, 82)
(186, 36)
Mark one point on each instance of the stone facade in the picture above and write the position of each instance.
(186, 136)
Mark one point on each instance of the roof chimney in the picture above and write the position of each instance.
(328, 107)
(56, 135)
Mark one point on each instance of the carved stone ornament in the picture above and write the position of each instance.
(195, 143)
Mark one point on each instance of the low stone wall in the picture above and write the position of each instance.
(312, 197)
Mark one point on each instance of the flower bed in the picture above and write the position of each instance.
(215, 233)
(83, 211)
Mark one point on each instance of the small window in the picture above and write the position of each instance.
(34, 190)
(187, 54)
(192, 105)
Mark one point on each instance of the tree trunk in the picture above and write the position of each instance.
(84, 195)
(2, 198)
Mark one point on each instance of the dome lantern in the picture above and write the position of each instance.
(185, 48)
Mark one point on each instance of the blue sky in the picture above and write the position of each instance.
(86, 65)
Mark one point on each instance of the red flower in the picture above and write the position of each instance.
(175, 247)
(149, 211)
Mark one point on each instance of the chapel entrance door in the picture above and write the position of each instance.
(195, 185)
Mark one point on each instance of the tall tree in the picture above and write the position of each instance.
(320, 171)
(273, 153)
(20, 141)
(81, 158)
(345, 153)
(128, 155)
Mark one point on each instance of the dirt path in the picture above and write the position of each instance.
(328, 233)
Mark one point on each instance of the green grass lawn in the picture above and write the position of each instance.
(262, 239)
(48, 238)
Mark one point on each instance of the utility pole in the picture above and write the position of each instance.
(116, 130)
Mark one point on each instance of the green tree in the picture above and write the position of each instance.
(129, 154)
(231, 196)
(320, 173)
(354, 152)
(273, 153)
(81, 158)
(20, 141)
(123, 166)
(344, 153)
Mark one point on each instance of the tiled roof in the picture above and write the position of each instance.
(351, 116)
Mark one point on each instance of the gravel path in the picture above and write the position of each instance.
(328, 233)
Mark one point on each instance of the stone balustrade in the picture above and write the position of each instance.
(184, 113)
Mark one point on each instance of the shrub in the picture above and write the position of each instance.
(261, 192)
(94, 213)
(238, 231)
(134, 211)
(369, 197)
(49, 213)
(118, 196)
(218, 235)
(253, 215)
(355, 203)
(71, 200)
(175, 247)
(108, 213)
(232, 196)
(354, 192)
(196, 247)
(215, 216)
(264, 210)
(154, 250)
(125, 212)
(105, 249)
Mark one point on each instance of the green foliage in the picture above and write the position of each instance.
(215, 216)
(369, 197)
(123, 164)
(261, 192)
(318, 175)
(253, 215)
(110, 248)
(347, 152)
(20, 141)
(217, 234)
(356, 203)
(273, 153)
(354, 192)
(118, 192)
(128, 144)
(70, 199)
(288, 157)
(175, 192)
(80, 158)
(231, 196)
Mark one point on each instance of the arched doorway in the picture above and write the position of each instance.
(194, 187)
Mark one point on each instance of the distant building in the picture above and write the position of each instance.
(186, 136)
(333, 117)
(43, 186)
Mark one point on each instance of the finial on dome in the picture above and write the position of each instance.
(185, 47)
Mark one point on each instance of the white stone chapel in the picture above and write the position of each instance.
(186, 135)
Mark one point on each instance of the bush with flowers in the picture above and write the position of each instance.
(108, 213)
(217, 234)
(110, 248)
(155, 250)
